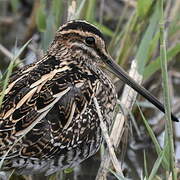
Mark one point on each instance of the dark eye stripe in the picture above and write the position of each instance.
(68, 35)
(89, 40)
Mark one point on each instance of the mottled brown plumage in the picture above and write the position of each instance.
(50, 104)
(53, 98)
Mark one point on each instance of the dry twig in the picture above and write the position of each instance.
(72, 10)
(107, 139)
(127, 101)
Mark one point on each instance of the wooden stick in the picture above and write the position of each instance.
(127, 101)
(107, 139)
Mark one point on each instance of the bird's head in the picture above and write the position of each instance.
(85, 41)
(82, 39)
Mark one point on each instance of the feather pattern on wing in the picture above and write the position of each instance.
(42, 90)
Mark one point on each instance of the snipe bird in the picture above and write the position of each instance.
(51, 100)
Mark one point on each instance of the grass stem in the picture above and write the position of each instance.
(166, 94)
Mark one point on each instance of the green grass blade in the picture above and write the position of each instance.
(156, 165)
(105, 30)
(174, 25)
(156, 65)
(145, 165)
(90, 10)
(153, 47)
(5, 84)
(143, 7)
(80, 9)
(126, 46)
(144, 46)
(153, 137)
(117, 176)
(15, 5)
(114, 38)
(57, 10)
(9, 71)
(48, 34)
(41, 18)
(166, 93)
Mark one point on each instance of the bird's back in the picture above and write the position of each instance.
(51, 101)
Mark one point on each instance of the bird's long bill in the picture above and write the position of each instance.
(121, 74)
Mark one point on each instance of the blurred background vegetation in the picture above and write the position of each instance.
(131, 28)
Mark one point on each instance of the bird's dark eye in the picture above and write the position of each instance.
(90, 40)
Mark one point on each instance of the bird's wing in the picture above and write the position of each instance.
(52, 134)
(32, 94)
